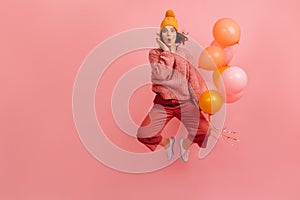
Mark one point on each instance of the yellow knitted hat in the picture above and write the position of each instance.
(169, 20)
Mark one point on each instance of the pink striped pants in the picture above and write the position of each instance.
(149, 133)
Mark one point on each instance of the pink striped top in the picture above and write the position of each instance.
(173, 76)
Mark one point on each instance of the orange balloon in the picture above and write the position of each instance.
(211, 58)
(210, 101)
(226, 32)
(217, 74)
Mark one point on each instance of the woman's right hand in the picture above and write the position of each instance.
(162, 45)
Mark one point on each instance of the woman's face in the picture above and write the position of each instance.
(168, 34)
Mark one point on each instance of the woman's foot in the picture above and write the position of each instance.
(169, 148)
(184, 149)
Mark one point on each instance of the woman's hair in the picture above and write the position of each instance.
(180, 37)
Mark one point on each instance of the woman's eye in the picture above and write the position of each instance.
(164, 30)
(172, 30)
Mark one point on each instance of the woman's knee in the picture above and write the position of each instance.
(139, 133)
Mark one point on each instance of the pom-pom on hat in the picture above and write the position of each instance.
(169, 20)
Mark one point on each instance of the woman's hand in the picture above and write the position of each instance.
(162, 45)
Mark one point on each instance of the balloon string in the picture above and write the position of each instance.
(224, 133)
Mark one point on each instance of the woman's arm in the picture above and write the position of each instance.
(196, 82)
(161, 63)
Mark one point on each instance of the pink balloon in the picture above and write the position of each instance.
(215, 43)
(229, 51)
(231, 98)
(228, 54)
(234, 80)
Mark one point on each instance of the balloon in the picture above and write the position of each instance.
(231, 98)
(229, 51)
(226, 32)
(228, 54)
(211, 58)
(217, 73)
(210, 101)
(215, 43)
(234, 80)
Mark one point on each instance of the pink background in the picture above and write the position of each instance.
(43, 44)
